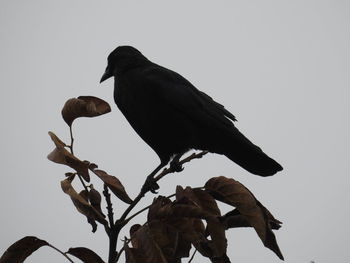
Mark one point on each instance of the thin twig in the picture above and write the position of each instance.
(82, 182)
(71, 139)
(72, 152)
(119, 254)
(59, 251)
(194, 253)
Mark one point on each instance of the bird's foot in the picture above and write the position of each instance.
(176, 166)
(150, 185)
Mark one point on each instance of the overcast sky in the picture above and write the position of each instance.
(281, 67)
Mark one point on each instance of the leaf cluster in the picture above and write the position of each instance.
(174, 226)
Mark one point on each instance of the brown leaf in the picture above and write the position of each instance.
(95, 199)
(114, 184)
(185, 218)
(158, 203)
(148, 247)
(81, 204)
(234, 219)
(84, 106)
(133, 255)
(234, 193)
(84, 194)
(207, 203)
(170, 240)
(62, 156)
(84, 254)
(22, 249)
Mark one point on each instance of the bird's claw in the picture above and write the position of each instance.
(150, 185)
(176, 166)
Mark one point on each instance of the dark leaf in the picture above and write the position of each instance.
(86, 255)
(81, 204)
(133, 255)
(157, 204)
(234, 193)
(132, 231)
(114, 184)
(22, 249)
(170, 240)
(148, 247)
(84, 106)
(185, 218)
(215, 228)
(62, 156)
(95, 199)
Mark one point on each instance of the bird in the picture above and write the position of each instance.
(172, 116)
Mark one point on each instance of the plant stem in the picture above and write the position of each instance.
(59, 251)
(72, 152)
(71, 139)
(109, 206)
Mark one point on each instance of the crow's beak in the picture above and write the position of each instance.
(108, 73)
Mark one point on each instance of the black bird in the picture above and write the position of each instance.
(172, 116)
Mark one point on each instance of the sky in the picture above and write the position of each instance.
(281, 67)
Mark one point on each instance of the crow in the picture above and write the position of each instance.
(172, 116)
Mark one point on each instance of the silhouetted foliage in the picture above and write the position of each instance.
(188, 219)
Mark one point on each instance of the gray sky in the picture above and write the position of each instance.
(282, 67)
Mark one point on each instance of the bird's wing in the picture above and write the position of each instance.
(178, 92)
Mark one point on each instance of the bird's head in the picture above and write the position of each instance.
(121, 59)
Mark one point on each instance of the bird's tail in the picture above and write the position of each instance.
(249, 156)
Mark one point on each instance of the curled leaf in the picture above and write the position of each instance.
(95, 199)
(84, 254)
(114, 184)
(81, 204)
(62, 156)
(84, 106)
(234, 193)
(22, 249)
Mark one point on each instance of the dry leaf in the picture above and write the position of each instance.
(234, 193)
(86, 255)
(207, 203)
(148, 247)
(185, 218)
(173, 245)
(84, 194)
(62, 156)
(114, 184)
(84, 106)
(95, 199)
(22, 249)
(133, 255)
(81, 204)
